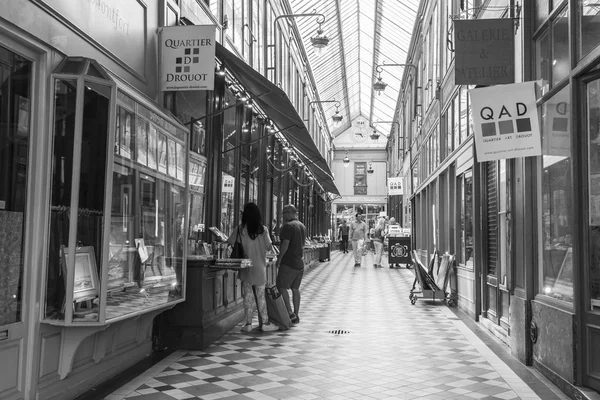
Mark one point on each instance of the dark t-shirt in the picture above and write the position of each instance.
(295, 232)
(344, 230)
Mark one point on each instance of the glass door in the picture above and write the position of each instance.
(15, 117)
(591, 281)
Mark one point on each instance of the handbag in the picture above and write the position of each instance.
(238, 249)
(276, 308)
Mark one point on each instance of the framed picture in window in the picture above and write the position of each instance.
(126, 133)
(172, 158)
(141, 142)
(162, 153)
(152, 147)
(85, 277)
(22, 116)
(180, 162)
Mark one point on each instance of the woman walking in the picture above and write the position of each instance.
(256, 242)
(377, 238)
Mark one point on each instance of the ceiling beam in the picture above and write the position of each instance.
(376, 33)
(343, 62)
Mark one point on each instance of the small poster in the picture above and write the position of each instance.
(505, 122)
(228, 183)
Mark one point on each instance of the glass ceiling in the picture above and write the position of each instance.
(362, 34)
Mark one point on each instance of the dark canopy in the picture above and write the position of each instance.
(278, 107)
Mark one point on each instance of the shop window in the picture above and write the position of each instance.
(449, 118)
(556, 211)
(120, 252)
(231, 140)
(465, 191)
(15, 114)
(552, 51)
(593, 126)
(590, 19)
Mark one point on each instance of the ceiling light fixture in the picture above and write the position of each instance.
(379, 85)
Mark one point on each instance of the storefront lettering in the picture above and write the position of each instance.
(494, 71)
(483, 35)
(186, 77)
(487, 113)
(177, 43)
(112, 13)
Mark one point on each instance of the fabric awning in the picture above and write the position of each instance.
(278, 107)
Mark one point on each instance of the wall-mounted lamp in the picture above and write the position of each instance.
(370, 170)
(375, 135)
(251, 33)
(319, 41)
(379, 85)
(346, 160)
(337, 117)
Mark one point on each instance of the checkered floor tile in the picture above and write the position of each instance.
(358, 338)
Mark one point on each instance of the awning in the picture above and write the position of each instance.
(278, 107)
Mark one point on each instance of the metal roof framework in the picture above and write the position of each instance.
(363, 34)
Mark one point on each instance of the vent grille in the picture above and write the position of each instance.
(339, 332)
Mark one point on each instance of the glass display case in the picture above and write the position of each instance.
(118, 215)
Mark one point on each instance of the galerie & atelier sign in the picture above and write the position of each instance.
(484, 51)
(188, 54)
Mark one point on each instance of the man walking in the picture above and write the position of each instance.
(343, 236)
(358, 233)
(290, 263)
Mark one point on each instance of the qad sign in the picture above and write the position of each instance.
(188, 57)
(505, 121)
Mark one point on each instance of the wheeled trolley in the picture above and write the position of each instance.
(430, 288)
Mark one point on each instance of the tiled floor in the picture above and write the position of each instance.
(359, 338)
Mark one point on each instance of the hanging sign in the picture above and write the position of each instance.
(188, 57)
(484, 51)
(228, 183)
(505, 121)
(395, 186)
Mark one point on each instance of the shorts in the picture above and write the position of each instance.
(288, 277)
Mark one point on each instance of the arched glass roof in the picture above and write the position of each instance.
(362, 34)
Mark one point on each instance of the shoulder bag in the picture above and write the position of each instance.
(238, 249)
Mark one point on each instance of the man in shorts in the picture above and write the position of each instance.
(290, 261)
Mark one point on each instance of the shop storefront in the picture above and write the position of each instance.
(107, 198)
(92, 196)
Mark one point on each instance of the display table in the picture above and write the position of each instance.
(213, 306)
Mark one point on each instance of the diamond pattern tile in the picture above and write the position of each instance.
(359, 338)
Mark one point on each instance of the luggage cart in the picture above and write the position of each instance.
(430, 289)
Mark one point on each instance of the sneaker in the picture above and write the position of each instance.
(247, 328)
(270, 327)
(295, 320)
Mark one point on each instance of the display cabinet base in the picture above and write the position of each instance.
(200, 337)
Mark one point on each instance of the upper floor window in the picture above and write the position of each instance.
(552, 50)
